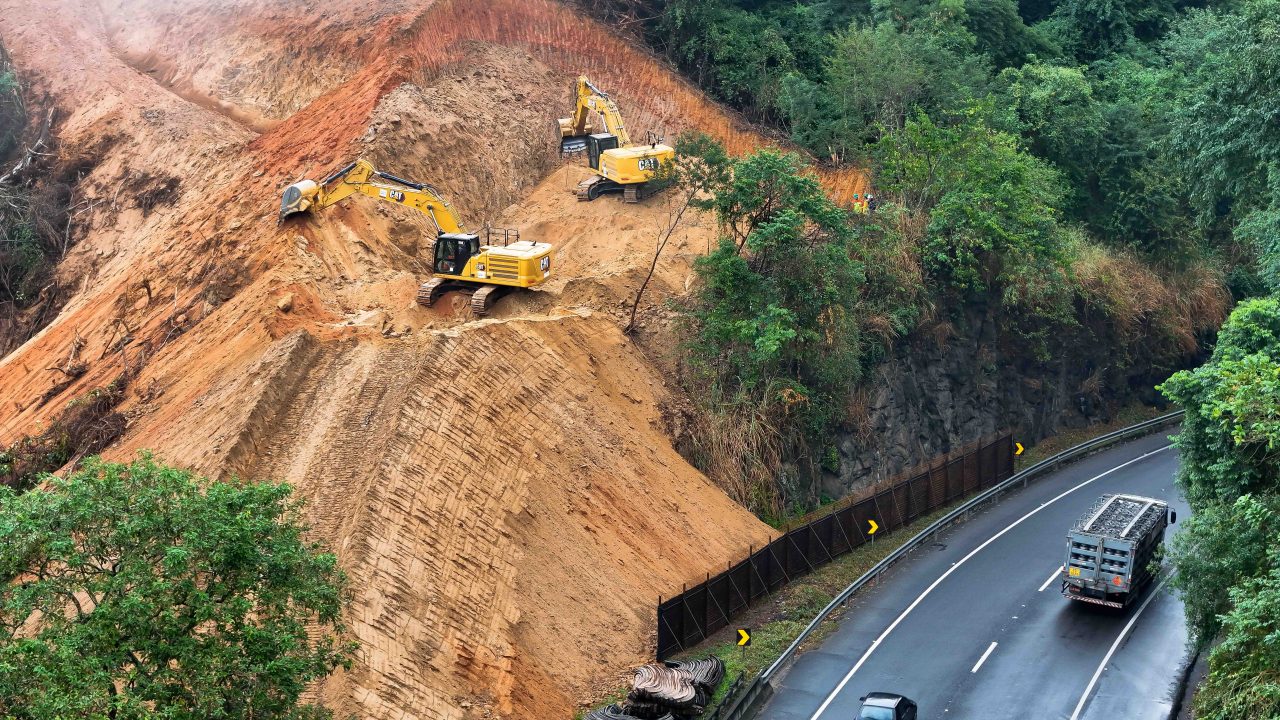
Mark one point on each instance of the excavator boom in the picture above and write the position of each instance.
(361, 177)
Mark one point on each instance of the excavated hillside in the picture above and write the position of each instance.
(503, 491)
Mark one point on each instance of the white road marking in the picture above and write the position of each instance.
(983, 659)
(1056, 574)
(1114, 646)
(876, 643)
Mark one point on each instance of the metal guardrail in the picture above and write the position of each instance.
(744, 705)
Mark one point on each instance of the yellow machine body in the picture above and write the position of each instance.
(460, 256)
(620, 166)
(635, 164)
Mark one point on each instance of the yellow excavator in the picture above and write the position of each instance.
(461, 261)
(619, 165)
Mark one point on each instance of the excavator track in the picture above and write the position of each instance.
(631, 193)
(587, 189)
(484, 298)
(597, 185)
(430, 291)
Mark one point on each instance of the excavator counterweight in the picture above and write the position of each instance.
(460, 260)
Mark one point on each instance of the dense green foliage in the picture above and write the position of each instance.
(1090, 170)
(1158, 117)
(1228, 555)
(1231, 437)
(781, 283)
(1224, 130)
(137, 591)
(988, 208)
(775, 324)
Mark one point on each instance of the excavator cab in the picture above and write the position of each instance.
(597, 145)
(453, 250)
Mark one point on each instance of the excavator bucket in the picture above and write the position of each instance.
(573, 144)
(297, 198)
(569, 141)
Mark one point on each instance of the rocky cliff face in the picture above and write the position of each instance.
(954, 382)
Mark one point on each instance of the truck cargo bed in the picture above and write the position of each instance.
(1110, 549)
(1123, 517)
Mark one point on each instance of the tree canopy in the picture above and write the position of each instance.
(140, 591)
(1227, 557)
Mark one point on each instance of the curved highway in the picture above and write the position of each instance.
(975, 626)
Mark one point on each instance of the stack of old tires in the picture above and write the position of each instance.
(667, 691)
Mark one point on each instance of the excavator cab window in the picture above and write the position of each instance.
(453, 250)
(596, 145)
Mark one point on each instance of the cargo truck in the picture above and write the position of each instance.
(1111, 547)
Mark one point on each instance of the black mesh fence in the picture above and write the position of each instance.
(698, 611)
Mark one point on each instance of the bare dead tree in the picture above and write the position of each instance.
(677, 212)
(32, 152)
(693, 176)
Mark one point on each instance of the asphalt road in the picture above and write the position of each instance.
(973, 628)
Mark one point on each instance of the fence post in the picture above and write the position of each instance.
(684, 613)
(660, 620)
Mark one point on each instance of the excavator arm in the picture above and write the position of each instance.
(588, 99)
(361, 177)
(459, 260)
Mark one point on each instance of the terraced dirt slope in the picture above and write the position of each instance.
(503, 492)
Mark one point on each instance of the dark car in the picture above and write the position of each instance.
(886, 706)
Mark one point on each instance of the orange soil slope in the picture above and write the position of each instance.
(502, 491)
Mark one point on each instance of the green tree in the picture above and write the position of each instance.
(138, 591)
(1001, 33)
(875, 79)
(1227, 66)
(774, 336)
(1103, 126)
(1221, 545)
(1096, 28)
(1231, 435)
(1137, 195)
(1260, 230)
(1244, 670)
(1227, 558)
(739, 56)
(1060, 117)
(780, 285)
(991, 209)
